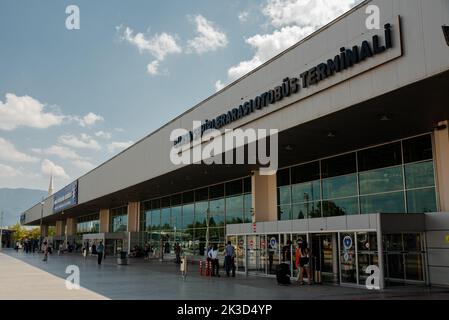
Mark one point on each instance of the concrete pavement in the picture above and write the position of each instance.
(25, 276)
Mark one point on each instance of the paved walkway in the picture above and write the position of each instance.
(19, 280)
(27, 277)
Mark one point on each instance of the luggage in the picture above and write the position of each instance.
(283, 274)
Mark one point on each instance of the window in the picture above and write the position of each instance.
(417, 149)
(234, 209)
(340, 187)
(380, 157)
(339, 166)
(383, 203)
(118, 219)
(393, 178)
(419, 175)
(381, 180)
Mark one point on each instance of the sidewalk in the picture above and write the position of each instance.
(26, 277)
(19, 280)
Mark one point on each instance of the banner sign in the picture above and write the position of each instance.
(66, 198)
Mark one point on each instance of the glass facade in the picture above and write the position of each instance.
(392, 178)
(118, 219)
(192, 217)
(88, 224)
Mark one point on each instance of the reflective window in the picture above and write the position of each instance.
(217, 212)
(421, 201)
(248, 203)
(340, 207)
(339, 166)
(305, 173)
(380, 157)
(176, 216)
(340, 187)
(305, 192)
(234, 187)
(187, 215)
(382, 180)
(383, 203)
(419, 175)
(284, 212)
(234, 209)
(284, 194)
(118, 219)
(417, 149)
(307, 210)
(201, 212)
(165, 219)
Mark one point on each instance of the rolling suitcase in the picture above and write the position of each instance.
(283, 274)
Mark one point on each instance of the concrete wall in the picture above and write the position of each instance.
(264, 200)
(437, 236)
(441, 138)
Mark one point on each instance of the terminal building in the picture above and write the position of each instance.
(363, 157)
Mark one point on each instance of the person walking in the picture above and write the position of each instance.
(304, 263)
(213, 255)
(100, 251)
(230, 259)
(45, 249)
(178, 253)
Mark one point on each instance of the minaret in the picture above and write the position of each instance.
(50, 187)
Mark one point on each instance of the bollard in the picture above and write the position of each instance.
(201, 267)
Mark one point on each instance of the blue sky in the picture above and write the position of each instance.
(71, 99)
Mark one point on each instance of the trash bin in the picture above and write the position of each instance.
(123, 259)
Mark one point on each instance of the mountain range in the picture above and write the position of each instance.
(13, 202)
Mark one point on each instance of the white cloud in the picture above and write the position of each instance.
(50, 168)
(104, 135)
(118, 146)
(295, 19)
(90, 119)
(152, 68)
(82, 142)
(9, 152)
(219, 85)
(243, 16)
(209, 38)
(59, 151)
(159, 46)
(83, 164)
(268, 46)
(26, 112)
(9, 172)
(305, 13)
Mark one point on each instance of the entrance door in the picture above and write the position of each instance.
(325, 257)
(255, 255)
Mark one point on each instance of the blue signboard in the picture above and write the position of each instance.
(66, 198)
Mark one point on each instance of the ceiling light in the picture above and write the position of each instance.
(331, 135)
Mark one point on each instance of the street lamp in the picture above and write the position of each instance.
(1, 231)
(207, 230)
(40, 227)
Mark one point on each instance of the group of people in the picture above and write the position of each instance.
(94, 250)
(229, 259)
(28, 245)
(302, 259)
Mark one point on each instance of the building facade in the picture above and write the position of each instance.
(363, 161)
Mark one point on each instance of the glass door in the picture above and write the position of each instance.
(348, 266)
(241, 254)
(254, 254)
(273, 251)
